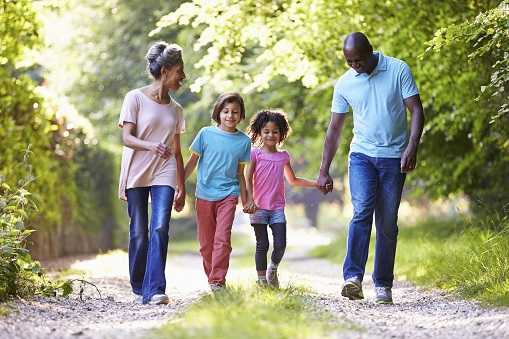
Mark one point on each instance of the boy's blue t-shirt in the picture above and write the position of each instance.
(220, 154)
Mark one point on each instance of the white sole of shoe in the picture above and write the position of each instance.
(160, 301)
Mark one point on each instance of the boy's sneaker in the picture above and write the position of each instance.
(216, 287)
(272, 278)
(159, 299)
(352, 289)
(383, 295)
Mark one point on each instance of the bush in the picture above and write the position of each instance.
(20, 275)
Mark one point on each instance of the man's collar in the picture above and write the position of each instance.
(382, 63)
(380, 66)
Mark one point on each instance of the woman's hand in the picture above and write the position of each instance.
(161, 149)
(180, 200)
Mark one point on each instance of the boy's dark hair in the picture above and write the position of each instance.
(224, 99)
(262, 118)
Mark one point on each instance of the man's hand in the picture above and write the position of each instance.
(180, 200)
(325, 183)
(409, 158)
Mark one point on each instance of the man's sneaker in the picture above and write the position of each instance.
(383, 295)
(272, 278)
(216, 287)
(352, 289)
(159, 299)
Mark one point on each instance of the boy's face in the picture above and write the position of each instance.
(270, 134)
(229, 116)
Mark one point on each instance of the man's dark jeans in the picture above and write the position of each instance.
(147, 258)
(375, 186)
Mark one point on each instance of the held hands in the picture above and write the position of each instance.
(409, 158)
(180, 200)
(161, 149)
(250, 207)
(325, 183)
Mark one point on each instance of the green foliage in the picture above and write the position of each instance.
(474, 124)
(467, 259)
(251, 313)
(18, 29)
(20, 275)
(257, 46)
(59, 141)
(24, 118)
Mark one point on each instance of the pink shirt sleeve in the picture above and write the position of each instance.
(254, 154)
(129, 111)
(287, 157)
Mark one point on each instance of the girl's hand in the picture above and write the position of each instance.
(250, 207)
(161, 149)
(180, 200)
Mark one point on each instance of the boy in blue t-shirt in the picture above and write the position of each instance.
(221, 152)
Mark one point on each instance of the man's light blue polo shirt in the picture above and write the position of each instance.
(220, 154)
(379, 113)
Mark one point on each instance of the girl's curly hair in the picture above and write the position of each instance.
(262, 118)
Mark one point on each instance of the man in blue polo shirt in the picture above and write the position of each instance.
(378, 89)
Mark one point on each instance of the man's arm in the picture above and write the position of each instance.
(409, 156)
(329, 150)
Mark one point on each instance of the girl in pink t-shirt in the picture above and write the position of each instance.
(265, 179)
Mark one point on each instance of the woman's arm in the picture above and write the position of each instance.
(137, 144)
(295, 181)
(190, 165)
(180, 197)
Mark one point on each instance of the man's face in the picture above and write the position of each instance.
(358, 60)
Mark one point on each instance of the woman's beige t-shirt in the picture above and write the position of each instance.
(154, 122)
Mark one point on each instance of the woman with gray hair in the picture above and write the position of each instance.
(151, 122)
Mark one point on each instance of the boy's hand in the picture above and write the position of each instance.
(250, 207)
(180, 200)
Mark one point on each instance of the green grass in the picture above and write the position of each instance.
(5, 310)
(251, 313)
(460, 257)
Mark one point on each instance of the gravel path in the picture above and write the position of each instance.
(417, 313)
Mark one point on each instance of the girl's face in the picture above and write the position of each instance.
(229, 116)
(270, 134)
(174, 77)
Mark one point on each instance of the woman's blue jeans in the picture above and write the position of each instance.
(375, 186)
(148, 247)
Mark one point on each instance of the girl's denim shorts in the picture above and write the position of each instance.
(268, 217)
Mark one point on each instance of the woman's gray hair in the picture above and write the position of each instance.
(163, 54)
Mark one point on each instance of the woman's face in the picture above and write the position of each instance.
(173, 77)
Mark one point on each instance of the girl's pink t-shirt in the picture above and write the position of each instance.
(268, 178)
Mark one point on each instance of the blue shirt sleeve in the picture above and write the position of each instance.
(197, 144)
(408, 86)
(246, 155)
(339, 103)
